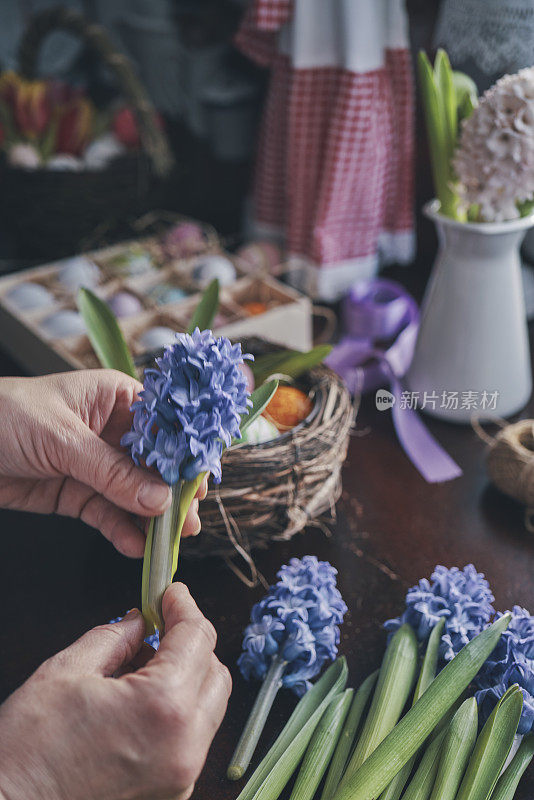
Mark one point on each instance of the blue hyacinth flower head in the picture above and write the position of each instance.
(462, 596)
(511, 662)
(297, 621)
(190, 407)
(152, 640)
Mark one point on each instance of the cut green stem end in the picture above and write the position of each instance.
(256, 720)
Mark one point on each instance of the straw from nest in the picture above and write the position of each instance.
(271, 491)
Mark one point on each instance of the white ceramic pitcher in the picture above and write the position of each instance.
(473, 336)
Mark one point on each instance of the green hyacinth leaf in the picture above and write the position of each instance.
(466, 94)
(509, 780)
(206, 310)
(492, 747)
(379, 769)
(104, 333)
(422, 782)
(457, 747)
(261, 398)
(321, 747)
(348, 735)
(438, 126)
(274, 772)
(290, 362)
(395, 682)
(426, 676)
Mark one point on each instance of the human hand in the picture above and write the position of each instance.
(72, 732)
(59, 453)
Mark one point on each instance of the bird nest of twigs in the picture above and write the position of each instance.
(271, 491)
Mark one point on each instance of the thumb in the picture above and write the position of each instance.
(102, 650)
(113, 474)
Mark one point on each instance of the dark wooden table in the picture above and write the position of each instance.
(59, 578)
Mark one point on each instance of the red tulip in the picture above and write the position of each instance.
(74, 127)
(126, 129)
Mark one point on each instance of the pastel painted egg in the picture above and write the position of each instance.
(124, 304)
(249, 375)
(220, 320)
(184, 239)
(30, 296)
(133, 262)
(157, 337)
(260, 431)
(63, 323)
(165, 293)
(78, 271)
(260, 255)
(211, 267)
(254, 308)
(288, 407)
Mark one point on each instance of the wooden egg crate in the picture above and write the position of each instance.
(254, 305)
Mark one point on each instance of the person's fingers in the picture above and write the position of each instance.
(114, 475)
(120, 418)
(118, 526)
(202, 489)
(192, 524)
(102, 650)
(184, 654)
(215, 692)
(140, 659)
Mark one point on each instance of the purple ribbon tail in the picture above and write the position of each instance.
(425, 453)
(375, 312)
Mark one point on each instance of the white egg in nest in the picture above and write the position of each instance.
(63, 323)
(260, 431)
(77, 272)
(30, 296)
(210, 267)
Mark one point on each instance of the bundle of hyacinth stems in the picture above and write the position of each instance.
(439, 720)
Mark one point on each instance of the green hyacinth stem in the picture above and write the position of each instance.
(256, 721)
(158, 561)
(161, 551)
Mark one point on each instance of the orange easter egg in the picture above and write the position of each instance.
(288, 407)
(254, 308)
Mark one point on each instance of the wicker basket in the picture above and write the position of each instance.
(51, 213)
(271, 491)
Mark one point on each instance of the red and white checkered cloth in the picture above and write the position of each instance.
(334, 168)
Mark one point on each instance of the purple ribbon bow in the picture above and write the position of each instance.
(381, 320)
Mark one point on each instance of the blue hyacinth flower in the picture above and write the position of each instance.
(462, 596)
(190, 407)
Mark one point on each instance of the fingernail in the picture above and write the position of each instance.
(133, 612)
(154, 496)
(198, 529)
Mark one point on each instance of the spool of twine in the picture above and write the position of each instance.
(510, 462)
